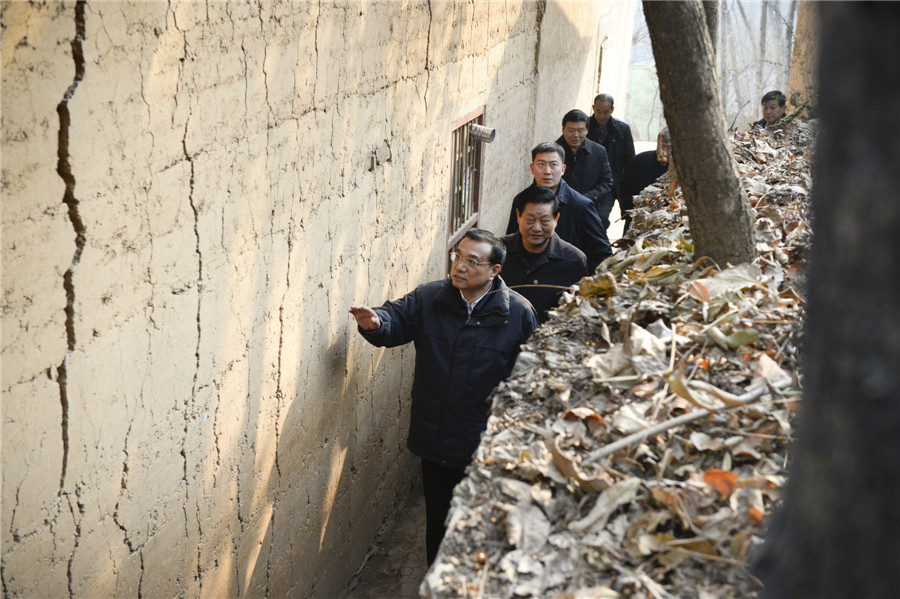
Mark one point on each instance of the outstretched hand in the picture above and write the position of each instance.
(366, 317)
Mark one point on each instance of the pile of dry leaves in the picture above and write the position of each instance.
(642, 441)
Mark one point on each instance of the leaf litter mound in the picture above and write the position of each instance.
(641, 443)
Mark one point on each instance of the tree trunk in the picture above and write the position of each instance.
(788, 43)
(838, 533)
(803, 59)
(722, 61)
(761, 58)
(718, 210)
(711, 10)
(743, 74)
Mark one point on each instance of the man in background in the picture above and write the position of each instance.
(615, 136)
(646, 168)
(587, 166)
(773, 108)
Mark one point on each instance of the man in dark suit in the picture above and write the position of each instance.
(615, 136)
(587, 166)
(646, 168)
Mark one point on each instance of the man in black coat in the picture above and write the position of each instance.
(538, 262)
(467, 330)
(587, 166)
(615, 136)
(646, 168)
(579, 223)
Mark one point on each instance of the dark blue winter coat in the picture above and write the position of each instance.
(588, 172)
(459, 361)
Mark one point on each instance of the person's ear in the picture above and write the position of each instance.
(564, 168)
(557, 217)
(495, 270)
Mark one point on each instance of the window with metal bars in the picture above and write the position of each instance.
(465, 177)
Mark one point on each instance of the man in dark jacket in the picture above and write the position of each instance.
(579, 223)
(773, 108)
(538, 262)
(587, 166)
(467, 330)
(646, 168)
(615, 136)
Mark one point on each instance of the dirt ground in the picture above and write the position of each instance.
(396, 565)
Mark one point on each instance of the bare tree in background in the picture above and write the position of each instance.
(711, 10)
(649, 134)
(838, 533)
(760, 63)
(759, 55)
(787, 44)
(719, 213)
(753, 55)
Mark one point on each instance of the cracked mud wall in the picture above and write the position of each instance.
(188, 210)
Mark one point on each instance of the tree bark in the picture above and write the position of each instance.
(720, 222)
(802, 84)
(838, 533)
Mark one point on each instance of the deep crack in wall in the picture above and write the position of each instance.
(65, 172)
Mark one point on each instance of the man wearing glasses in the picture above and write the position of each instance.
(615, 136)
(467, 330)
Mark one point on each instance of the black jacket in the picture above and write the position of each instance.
(644, 170)
(560, 264)
(619, 146)
(578, 223)
(459, 361)
(588, 172)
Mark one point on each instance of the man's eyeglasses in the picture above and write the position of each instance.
(470, 262)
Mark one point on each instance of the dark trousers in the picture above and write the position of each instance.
(438, 482)
(604, 205)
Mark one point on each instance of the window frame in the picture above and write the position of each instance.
(471, 162)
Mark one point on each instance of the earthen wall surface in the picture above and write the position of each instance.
(189, 205)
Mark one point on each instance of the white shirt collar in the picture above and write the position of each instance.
(471, 305)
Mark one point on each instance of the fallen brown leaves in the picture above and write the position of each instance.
(641, 443)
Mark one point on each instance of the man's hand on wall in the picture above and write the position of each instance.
(365, 317)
